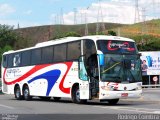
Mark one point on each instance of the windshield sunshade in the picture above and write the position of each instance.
(116, 46)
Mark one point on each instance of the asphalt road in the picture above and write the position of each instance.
(148, 104)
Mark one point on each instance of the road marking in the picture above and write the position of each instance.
(142, 110)
(5, 106)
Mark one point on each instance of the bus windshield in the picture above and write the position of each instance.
(117, 47)
(121, 61)
(121, 68)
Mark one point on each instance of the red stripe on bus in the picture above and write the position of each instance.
(33, 70)
(61, 85)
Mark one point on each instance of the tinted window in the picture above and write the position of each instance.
(26, 58)
(10, 60)
(5, 61)
(74, 50)
(60, 52)
(16, 59)
(89, 48)
(36, 56)
(47, 54)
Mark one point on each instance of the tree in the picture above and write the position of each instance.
(4, 49)
(111, 32)
(73, 34)
(7, 39)
(68, 34)
(7, 36)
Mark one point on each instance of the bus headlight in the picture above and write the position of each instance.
(139, 88)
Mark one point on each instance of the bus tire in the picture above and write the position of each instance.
(76, 96)
(26, 93)
(17, 93)
(113, 101)
(56, 98)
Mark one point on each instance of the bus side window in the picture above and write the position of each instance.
(10, 60)
(17, 59)
(36, 56)
(73, 50)
(26, 58)
(89, 50)
(4, 61)
(47, 55)
(60, 53)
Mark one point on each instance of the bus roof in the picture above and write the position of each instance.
(71, 39)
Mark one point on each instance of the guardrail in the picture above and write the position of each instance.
(151, 86)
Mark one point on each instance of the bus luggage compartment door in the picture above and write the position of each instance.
(84, 90)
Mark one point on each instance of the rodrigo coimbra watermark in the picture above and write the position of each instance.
(138, 116)
(9, 117)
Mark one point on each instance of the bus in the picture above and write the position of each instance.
(105, 68)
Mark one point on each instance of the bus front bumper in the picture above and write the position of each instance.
(104, 95)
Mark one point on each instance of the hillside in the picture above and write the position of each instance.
(146, 35)
(44, 33)
(149, 34)
(151, 28)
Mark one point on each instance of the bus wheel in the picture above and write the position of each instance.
(76, 96)
(113, 101)
(26, 93)
(56, 98)
(45, 98)
(17, 93)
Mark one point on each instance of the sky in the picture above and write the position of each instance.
(28, 13)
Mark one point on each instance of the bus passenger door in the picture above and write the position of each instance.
(84, 83)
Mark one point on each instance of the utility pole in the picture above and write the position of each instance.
(55, 19)
(154, 8)
(144, 28)
(61, 17)
(86, 24)
(97, 25)
(75, 16)
(100, 15)
(136, 19)
(18, 26)
(102, 22)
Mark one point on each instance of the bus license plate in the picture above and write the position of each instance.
(124, 95)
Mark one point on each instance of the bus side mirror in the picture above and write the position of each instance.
(101, 59)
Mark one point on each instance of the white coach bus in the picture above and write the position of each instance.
(101, 67)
